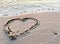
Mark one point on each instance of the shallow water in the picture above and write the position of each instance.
(18, 9)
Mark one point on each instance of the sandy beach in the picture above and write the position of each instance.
(49, 23)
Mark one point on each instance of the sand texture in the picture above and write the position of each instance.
(43, 34)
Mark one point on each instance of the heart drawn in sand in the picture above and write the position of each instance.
(19, 26)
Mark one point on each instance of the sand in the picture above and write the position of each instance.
(49, 23)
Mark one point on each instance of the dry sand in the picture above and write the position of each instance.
(49, 23)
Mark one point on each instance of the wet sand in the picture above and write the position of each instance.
(49, 23)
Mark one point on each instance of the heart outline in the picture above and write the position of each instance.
(23, 20)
